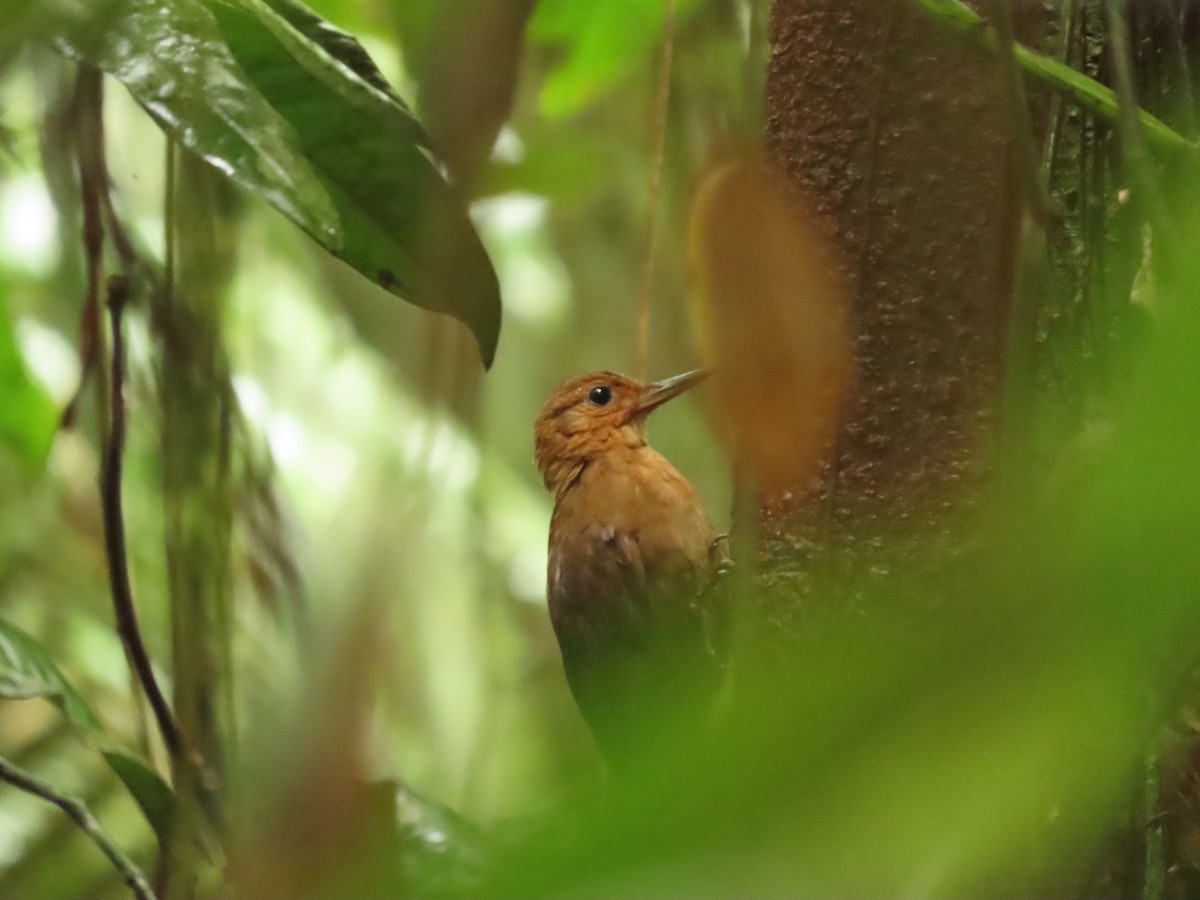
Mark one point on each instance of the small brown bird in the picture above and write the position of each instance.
(632, 555)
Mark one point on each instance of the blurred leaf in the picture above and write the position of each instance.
(568, 169)
(14, 27)
(444, 854)
(307, 126)
(603, 42)
(153, 796)
(28, 416)
(27, 671)
(772, 306)
(414, 27)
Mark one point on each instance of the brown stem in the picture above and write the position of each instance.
(88, 131)
(114, 530)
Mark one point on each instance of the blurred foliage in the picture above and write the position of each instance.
(28, 418)
(386, 529)
(600, 43)
(27, 672)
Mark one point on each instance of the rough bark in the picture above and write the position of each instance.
(898, 133)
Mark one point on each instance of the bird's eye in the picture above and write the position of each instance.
(600, 396)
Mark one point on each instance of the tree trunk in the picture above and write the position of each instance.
(898, 132)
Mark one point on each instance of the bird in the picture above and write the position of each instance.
(632, 562)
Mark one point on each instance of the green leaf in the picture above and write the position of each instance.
(294, 110)
(444, 854)
(28, 416)
(153, 796)
(27, 671)
(343, 47)
(171, 58)
(604, 43)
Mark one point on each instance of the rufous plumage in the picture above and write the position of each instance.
(632, 556)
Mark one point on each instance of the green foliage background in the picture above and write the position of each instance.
(377, 476)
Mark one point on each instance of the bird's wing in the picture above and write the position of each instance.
(634, 652)
(597, 585)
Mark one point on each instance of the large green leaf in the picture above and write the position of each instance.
(27, 671)
(293, 109)
(343, 47)
(28, 417)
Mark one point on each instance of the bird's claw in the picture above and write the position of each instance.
(719, 555)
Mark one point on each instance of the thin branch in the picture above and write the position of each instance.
(82, 817)
(1067, 29)
(1133, 142)
(1028, 169)
(1183, 73)
(114, 530)
(1031, 261)
(88, 133)
(126, 251)
(1140, 167)
(1087, 92)
(662, 103)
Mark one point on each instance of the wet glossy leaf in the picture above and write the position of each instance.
(293, 109)
(172, 59)
(343, 47)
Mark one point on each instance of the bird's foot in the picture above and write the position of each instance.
(718, 551)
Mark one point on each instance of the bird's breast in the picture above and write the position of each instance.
(630, 522)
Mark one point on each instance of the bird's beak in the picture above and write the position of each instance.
(656, 394)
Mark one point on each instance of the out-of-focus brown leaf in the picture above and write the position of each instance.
(771, 308)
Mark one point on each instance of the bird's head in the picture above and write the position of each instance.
(595, 413)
